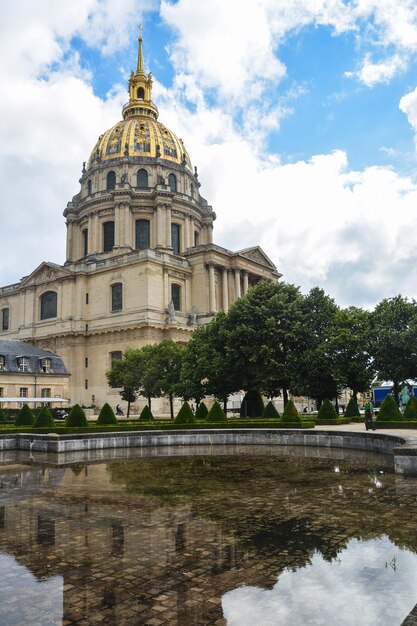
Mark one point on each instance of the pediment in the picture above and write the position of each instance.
(257, 255)
(46, 272)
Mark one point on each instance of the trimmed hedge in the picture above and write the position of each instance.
(146, 414)
(396, 424)
(389, 411)
(270, 411)
(252, 405)
(24, 417)
(291, 415)
(410, 412)
(185, 415)
(352, 409)
(44, 419)
(106, 416)
(327, 412)
(76, 418)
(216, 414)
(201, 412)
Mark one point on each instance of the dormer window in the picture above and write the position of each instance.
(46, 366)
(23, 364)
(2, 363)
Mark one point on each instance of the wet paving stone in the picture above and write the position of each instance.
(207, 541)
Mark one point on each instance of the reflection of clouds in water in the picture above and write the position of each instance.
(31, 597)
(357, 589)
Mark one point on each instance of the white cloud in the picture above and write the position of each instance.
(371, 73)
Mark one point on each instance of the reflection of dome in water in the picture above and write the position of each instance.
(140, 136)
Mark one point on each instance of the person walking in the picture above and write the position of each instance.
(369, 415)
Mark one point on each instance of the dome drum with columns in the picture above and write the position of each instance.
(141, 263)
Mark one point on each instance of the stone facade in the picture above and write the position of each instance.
(141, 263)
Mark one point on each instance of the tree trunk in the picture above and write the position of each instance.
(396, 392)
(337, 405)
(225, 406)
(285, 395)
(128, 409)
(150, 402)
(171, 405)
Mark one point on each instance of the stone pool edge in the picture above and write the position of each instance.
(403, 448)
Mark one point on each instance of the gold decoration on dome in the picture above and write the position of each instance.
(139, 134)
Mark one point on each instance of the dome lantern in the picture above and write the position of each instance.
(140, 90)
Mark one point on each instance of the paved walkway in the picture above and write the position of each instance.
(409, 432)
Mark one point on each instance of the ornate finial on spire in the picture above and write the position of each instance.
(140, 69)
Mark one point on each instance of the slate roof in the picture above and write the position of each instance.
(12, 349)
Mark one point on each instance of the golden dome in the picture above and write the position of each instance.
(139, 134)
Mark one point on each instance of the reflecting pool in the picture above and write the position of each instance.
(249, 536)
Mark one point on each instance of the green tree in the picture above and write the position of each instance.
(313, 370)
(262, 337)
(165, 365)
(122, 375)
(24, 417)
(106, 416)
(76, 417)
(135, 374)
(44, 419)
(394, 340)
(185, 415)
(352, 409)
(350, 349)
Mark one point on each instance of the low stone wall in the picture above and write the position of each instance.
(404, 449)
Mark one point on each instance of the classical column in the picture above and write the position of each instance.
(210, 233)
(237, 284)
(159, 227)
(168, 227)
(117, 233)
(212, 289)
(128, 227)
(245, 283)
(225, 290)
(90, 235)
(96, 234)
(70, 251)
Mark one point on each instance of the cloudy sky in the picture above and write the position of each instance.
(301, 116)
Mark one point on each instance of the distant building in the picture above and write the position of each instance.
(141, 263)
(29, 372)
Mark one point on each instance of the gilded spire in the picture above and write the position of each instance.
(140, 67)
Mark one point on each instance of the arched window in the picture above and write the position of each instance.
(111, 180)
(192, 190)
(172, 182)
(176, 296)
(5, 319)
(108, 236)
(176, 237)
(89, 187)
(117, 297)
(140, 93)
(142, 179)
(196, 237)
(142, 228)
(49, 301)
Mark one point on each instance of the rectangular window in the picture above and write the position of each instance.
(176, 296)
(86, 298)
(86, 328)
(46, 392)
(86, 383)
(115, 356)
(46, 366)
(86, 361)
(23, 364)
(142, 234)
(84, 235)
(176, 237)
(1, 392)
(5, 319)
(117, 297)
(2, 363)
(108, 236)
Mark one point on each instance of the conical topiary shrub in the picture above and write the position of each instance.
(352, 409)
(76, 418)
(389, 411)
(24, 417)
(290, 414)
(3, 418)
(185, 415)
(252, 405)
(106, 416)
(270, 411)
(201, 412)
(216, 414)
(146, 414)
(327, 411)
(410, 412)
(44, 419)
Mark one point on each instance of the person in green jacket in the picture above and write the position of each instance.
(369, 415)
